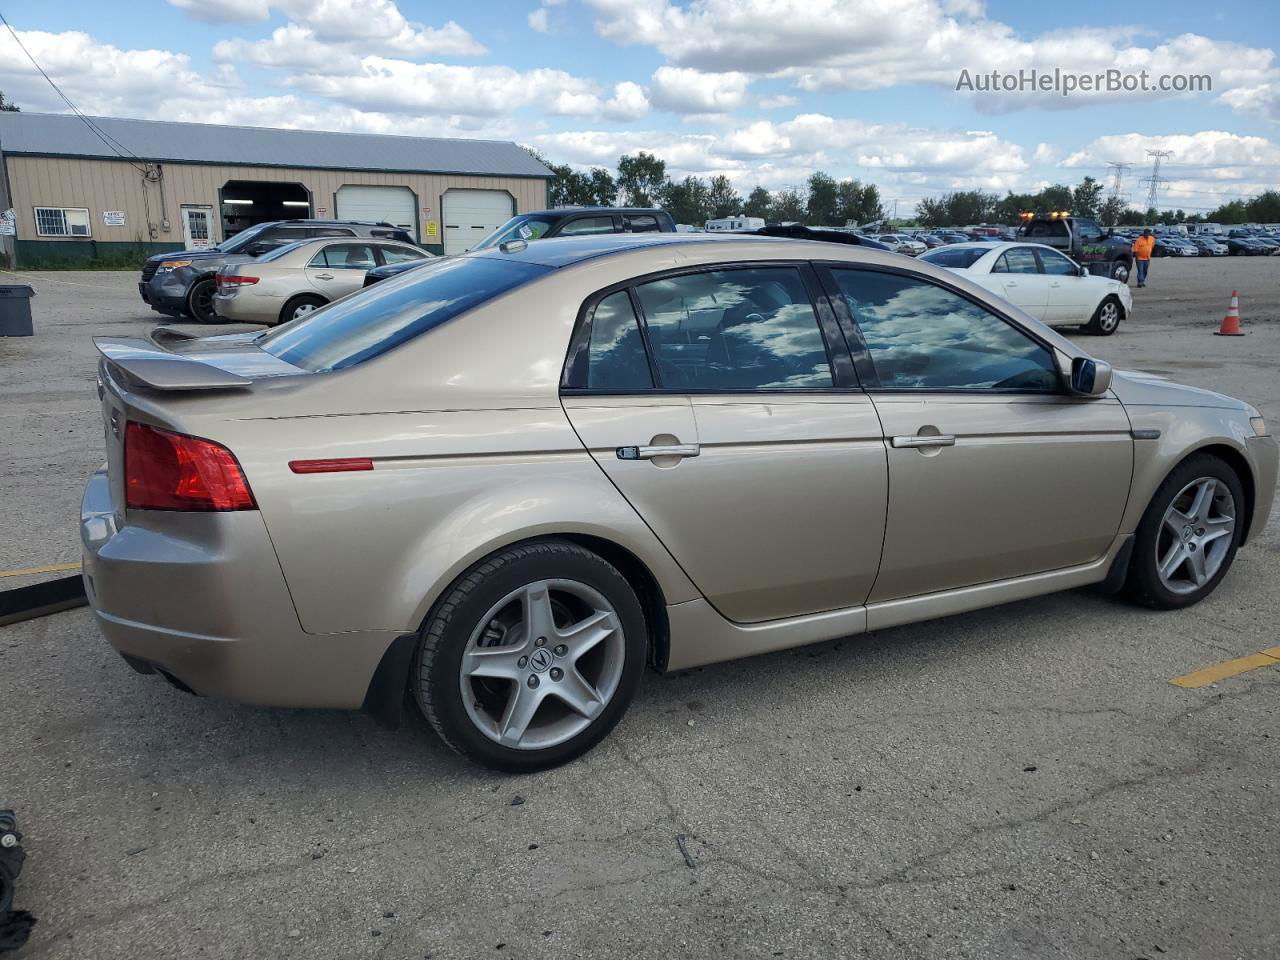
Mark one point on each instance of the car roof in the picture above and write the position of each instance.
(575, 211)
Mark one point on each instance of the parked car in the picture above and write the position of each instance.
(1209, 247)
(580, 221)
(488, 486)
(1082, 239)
(183, 283)
(290, 282)
(930, 240)
(1244, 246)
(901, 243)
(1171, 245)
(1042, 281)
(1271, 244)
(798, 231)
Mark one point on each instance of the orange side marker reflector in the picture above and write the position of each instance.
(339, 465)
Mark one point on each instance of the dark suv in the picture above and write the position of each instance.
(563, 222)
(183, 282)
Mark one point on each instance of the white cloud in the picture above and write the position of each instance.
(685, 90)
(1263, 100)
(779, 101)
(873, 44)
(538, 20)
(629, 101)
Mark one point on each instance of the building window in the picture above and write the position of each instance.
(62, 222)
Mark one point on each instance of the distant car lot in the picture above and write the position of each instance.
(985, 785)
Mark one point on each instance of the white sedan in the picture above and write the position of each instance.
(1042, 281)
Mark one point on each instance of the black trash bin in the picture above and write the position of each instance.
(15, 310)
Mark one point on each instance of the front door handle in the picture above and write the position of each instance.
(651, 453)
(926, 440)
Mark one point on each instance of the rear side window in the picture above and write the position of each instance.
(345, 256)
(587, 225)
(640, 224)
(1017, 260)
(356, 329)
(745, 329)
(616, 358)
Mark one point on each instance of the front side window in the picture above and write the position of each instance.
(394, 311)
(399, 254)
(587, 225)
(746, 329)
(1017, 260)
(1088, 230)
(922, 336)
(1056, 264)
(62, 222)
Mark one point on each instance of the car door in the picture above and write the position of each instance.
(1071, 297)
(722, 403)
(994, 470)
(1021, 281)
(338, 269)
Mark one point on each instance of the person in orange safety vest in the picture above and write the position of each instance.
(1142, 248)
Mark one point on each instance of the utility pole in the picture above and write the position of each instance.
(1153, 194)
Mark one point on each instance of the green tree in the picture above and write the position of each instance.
(1056, 197)
(569, 188)
(8, 105)
(1234, 211)
(641, 178)
(604, 190)
(759, 204)
(722, 198)
(1265, 207)
(870, 208)
(821, 206)
(787, 207)
(1131, 217)
(932, 212)
(687, 200)
(1111, 211)
(1086, 199)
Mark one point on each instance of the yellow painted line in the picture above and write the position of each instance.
(1228, 668)
(47, 568)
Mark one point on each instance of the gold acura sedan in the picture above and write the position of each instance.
(505, 481)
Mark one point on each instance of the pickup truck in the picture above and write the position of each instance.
(1103, 252)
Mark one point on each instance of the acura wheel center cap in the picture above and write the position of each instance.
(540, 659)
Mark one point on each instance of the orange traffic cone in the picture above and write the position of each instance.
(1231, 322)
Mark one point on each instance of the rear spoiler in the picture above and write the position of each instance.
(152, 366)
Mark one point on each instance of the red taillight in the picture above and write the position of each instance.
(338, 465)
(235, 280)
(171, 471)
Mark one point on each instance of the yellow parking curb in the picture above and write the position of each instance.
(47, 568)
(1228, 668)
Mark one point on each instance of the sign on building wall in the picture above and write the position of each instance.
(322, 211)
(8, 224)
(113, 218)
(431, 228)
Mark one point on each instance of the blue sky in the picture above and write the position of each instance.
(763, 90)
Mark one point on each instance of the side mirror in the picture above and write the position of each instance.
(1089, 377)
(1082, 271)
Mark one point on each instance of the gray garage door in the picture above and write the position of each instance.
(391, 204)
(471, 215)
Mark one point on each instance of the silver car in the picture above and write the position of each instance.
(506, 481)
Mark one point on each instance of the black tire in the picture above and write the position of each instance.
(1120, 270)
(435, 678)
(200, 301)
(290, 309)
(1106, 319)
(1143, 582)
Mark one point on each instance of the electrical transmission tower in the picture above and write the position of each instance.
(1153, 194)
(1118, 171)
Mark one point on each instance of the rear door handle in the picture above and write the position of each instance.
(649, 453)
(324, 276)
(926, 440)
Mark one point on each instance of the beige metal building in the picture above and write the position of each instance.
(110, 190)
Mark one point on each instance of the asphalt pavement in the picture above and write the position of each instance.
(1021, 782)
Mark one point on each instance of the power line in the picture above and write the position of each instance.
(1118, 171)
(1155, 179)
(116, 147)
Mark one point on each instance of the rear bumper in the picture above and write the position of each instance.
(202, 598)
(253, 308)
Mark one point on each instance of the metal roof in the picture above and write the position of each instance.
(66, 135)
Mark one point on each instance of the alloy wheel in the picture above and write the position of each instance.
(542, 664)
(1195, 535)
(1108, 316)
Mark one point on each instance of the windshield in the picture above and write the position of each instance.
(524, 227)
(243, 238)
(957, 258)
(394, 311)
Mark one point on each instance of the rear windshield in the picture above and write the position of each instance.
(387, 314)
(957, 258)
